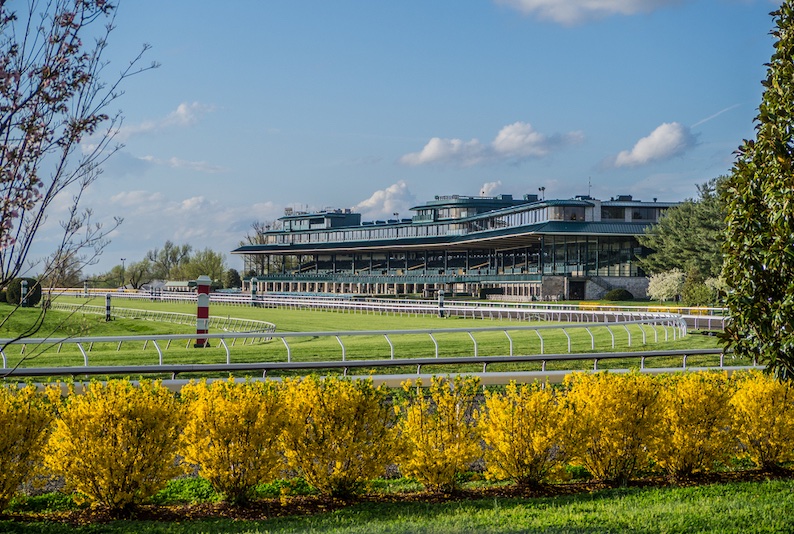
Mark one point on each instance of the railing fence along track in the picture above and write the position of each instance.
(394, 380)
(227, 324)
(697, 318)
(670, 327)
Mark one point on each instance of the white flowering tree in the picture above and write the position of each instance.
(666, 285)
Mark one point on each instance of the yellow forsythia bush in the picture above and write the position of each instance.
(25, 418)
(526, 431)
(339, 434)
(614, 416)
(694, 430)
(232, 434)
(116, 443)
(440, 431)
(764, 419)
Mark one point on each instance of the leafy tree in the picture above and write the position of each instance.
(64, 275)
(689, 236)
(112, 278)
(139, 273)
(231, 278)
(203, 262)
(696, 292)
(167, 259)
(667, 285)
(759, 195)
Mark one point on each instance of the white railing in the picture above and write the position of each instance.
(666, 328)
(632, 361)
(698, 318)
(227, 324)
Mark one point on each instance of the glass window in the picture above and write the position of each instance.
(644, 214)
(612, 213)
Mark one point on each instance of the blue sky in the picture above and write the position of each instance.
(379, 106)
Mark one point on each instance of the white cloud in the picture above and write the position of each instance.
(520, 140)
(191, 204)
(136, 199)
(668, 140)
(571, 12)
(383, 204)
(439, 150)
(186, 114)
(488, 189)
(516, 142)
(176, 163)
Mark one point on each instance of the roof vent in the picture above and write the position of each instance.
(624, 198)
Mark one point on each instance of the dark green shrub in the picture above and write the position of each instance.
(14, 291)
(3, 297)
(618, 294)
(695, 291)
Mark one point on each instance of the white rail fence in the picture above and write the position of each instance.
(646, 330)
(227, 324)
(697, 318)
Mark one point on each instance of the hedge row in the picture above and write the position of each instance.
(117, 444)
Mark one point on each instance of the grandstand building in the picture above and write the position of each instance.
(495, 247)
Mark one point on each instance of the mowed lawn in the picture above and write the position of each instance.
(739, 507)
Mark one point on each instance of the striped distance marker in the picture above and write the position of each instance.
(203, 310)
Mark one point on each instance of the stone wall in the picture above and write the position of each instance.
(553, 288)
(596, 287)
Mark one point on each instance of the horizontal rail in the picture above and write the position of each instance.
(352, 302)
(345, 366)
(667, 325)
(465, 309)
(229, 324)
(326, 333)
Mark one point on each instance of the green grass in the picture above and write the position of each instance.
(313, 348)
(765, 506)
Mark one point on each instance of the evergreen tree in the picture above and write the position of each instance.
(231, 279)
(689, 236)
(759, 196)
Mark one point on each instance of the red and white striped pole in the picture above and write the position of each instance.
(203, 311)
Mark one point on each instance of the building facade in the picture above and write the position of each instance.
(493, 247)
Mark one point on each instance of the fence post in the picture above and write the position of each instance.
(107, 307)
(203, 309)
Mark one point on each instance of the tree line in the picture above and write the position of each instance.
(170, 262)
